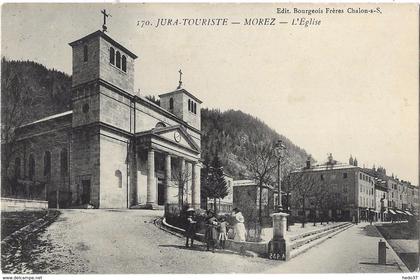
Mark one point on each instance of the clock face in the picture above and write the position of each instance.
(177, 136)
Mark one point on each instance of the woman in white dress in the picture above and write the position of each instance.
(239, 226)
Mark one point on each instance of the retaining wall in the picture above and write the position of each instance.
(15, 204)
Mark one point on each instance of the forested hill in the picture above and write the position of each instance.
(48, 92)
(224, 133)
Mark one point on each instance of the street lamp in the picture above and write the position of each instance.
(279, 149)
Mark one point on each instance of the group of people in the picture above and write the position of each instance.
(216, 229)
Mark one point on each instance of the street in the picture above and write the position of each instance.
(123, 241)
(351, 251)
(127, 241)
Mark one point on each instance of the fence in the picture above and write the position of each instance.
(22, 189)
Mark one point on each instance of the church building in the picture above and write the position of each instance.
(114, 149)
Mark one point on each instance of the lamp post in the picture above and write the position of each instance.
(279, 149)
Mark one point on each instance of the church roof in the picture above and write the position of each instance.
(183, 91)
(106, 37)
(49, 118)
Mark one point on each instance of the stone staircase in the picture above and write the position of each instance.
(299, 244)
(147, 207)
(296, 244)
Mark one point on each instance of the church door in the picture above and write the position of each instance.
(85, 191)
(161, 200)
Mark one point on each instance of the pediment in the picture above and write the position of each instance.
(177, 135)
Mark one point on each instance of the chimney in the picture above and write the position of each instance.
(308, 162)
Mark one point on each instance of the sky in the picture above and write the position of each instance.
(348, 86)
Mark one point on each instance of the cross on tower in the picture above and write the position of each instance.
(180, 79)
(104, 28)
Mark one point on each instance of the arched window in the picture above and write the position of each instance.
(112, 56)
(124, 63)
(31, 167)
(118, 60)
(160, 124)
(85, 53)
(189, 105)
(17, 167)
(171, 103)
(63, 162)
(47, 163)
(119, 178)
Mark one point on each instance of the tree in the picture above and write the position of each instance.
(320, 198)
(205, 179)
(214, 185)
(153, 99)
(15, 101)
(261, 162)
(182, 176)
(302, 184)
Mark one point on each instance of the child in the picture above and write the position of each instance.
(223, 232)
(211, 230)
(190, 228)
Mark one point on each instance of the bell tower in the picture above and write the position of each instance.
(183, 104)
(100, 64)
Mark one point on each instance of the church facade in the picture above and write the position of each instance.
(114, 149)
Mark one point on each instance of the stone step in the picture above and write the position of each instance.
(308, 233)
(148, 207)
(320, 238)
(313, 235)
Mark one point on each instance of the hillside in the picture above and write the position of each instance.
(47, 92)
(44, 91)
(225, 132)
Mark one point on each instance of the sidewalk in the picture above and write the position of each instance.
(354, 250)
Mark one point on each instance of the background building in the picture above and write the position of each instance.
(224, 205)
(332, 190)
(246, 197)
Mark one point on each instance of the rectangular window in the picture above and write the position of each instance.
(344, 175)
(85, 53)
(322, 177)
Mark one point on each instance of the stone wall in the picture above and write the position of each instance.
(12, 204)
(193, 119)
(180, 108)
(114, 171)
(115, 109)
(48, 136)
(85, 71)
(112, 74)
(85, 163)
(85, 104)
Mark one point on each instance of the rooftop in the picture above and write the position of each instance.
(245, 183)
(107, 38)
(49, 118)
(183, 91)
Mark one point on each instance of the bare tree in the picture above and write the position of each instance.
(182, 176)
(320, 198)
(302, 184)
(261, 162)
